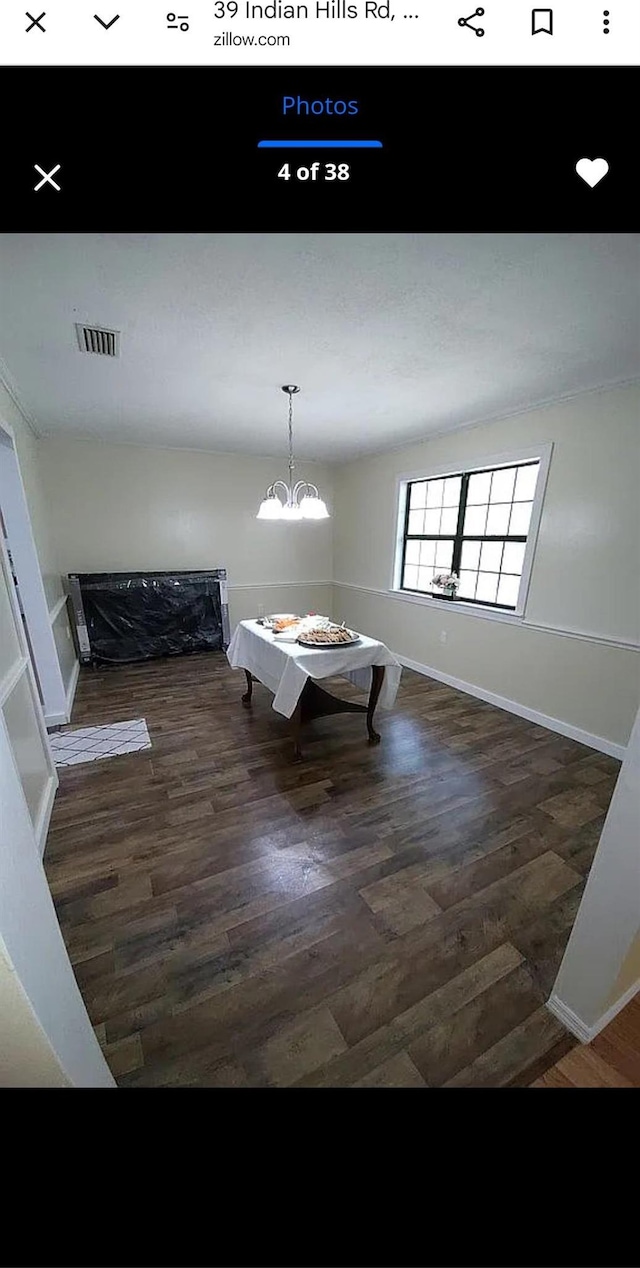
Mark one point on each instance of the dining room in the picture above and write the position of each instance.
(332, 537)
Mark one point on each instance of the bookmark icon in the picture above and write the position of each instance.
(542, 21)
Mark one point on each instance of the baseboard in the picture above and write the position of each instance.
(61, 719)
(511, 706)
(56, 719)
(42, 825)
(569, 1019)
(577, 1026)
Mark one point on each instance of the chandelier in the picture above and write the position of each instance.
(301, 500)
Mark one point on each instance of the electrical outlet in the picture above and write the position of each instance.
(443, 636)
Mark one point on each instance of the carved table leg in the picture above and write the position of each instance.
(246, 699)
(296, 727)
(377, 679)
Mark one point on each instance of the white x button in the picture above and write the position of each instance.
(46, 177)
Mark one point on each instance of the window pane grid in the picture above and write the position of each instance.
(485, 547)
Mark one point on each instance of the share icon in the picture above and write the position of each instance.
(479, 30)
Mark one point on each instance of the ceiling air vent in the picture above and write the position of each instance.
(104, 343)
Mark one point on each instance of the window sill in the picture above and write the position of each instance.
(455, 605)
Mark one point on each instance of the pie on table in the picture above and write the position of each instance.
(328, 636)
(309, 629)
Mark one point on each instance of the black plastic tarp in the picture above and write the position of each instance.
(138, 616)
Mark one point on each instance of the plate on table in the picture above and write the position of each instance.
(307, 640)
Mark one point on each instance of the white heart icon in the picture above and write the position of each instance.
(592, 170)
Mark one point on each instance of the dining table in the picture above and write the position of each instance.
(292, 672)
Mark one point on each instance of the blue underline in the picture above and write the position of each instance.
(319, 145)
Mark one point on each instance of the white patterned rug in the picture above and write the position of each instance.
(88, 743)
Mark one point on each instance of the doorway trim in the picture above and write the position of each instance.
(24, 555)
(23, 667)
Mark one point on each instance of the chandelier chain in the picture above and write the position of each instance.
(291, 464)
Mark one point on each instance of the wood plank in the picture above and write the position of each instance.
(542, 940)
(466, 880)
(124, 1056)
(619, 1043)
(396, 1036)
(424, 958)
(237, 1019)
(296, 1048)
(501, 1064)
(572, 807)
(553, 1078)
(458, 1040)
(396, 1072)
(585, 1068)
(402, 902)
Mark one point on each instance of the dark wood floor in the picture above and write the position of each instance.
(390, 916)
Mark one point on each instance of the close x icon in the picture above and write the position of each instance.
(36, 22)
(47, 177)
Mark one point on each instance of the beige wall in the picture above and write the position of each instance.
(119, 507)
(243, 603)
(629, 974)
(585, 685)
(581, 580)
(26, 1056)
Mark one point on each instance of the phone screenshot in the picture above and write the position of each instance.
(319, 376)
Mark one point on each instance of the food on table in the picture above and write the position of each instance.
(284, 623)
(321, 636)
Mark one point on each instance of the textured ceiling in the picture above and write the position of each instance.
(392, 337)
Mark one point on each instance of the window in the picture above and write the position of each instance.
(473, 523)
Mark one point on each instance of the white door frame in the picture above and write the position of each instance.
(15, 513)
(32, 940)
(608, 919)
(23, 667)
(30, 936)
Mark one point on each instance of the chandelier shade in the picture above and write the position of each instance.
(270, 509)
(292, 502)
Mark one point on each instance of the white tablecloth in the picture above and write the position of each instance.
(285, 667)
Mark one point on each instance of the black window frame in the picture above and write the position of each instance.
(459, 537)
